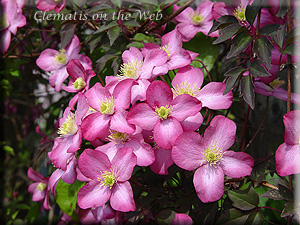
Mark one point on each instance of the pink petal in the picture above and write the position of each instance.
(54, 178)
(60, 5)
(56, 80)
(184, 106)
(5, 38)
(110, 149)
(221, 131)
(45, 5)
(159, 94)
(138, 92)
(119, 123)
(82, 108)
(204, 8)
(179, 59)
(122, 93)
(76, 70)
(94, 126)
(282, 94)
(173, 38)
(131, 55)
(185, 15)
(142, 115)
(188, 31)
(73, 48)
(46, 61)
(91, 163)
(97, 94)
(37, 194)
(287, 159)
(187, 151)
(122, 197)
(209, 183)
(76, 142)
(211, 96)
(182, 219)
(192, 123)
(93, 194)
(188, 75)
(84, 60)
(124, 162)
(291, 122)
(166, 131)
(163, 161)
(70, 174)
(34, 176)
(236, 164)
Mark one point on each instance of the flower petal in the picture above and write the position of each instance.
(163, 161)
(119, 122)
(192, 123)
(46, 60)
(287, 159)
(188, 75)
(97, 94)
(188, 31)
(122, 197)
(159, 94)
(291, 122)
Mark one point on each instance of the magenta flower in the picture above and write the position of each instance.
(163, 161)
(48, 5)
(110, 111)
(288, 154)
(39, 189)
(56, 61)
(11, 19)
(189, 80)
(178, 57)
(108, 179)
(182, 219)
(80, 78)
(163, 114)
(193, 21)
(209, 156)
(96, 215)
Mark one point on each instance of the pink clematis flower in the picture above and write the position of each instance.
(96, 215)
(11, 19)
(108, 179)
(56, 61)
(178, 57)
(188, 80)
(163, 114)
(191, 22)
(182, 219)
(48, 5)
(288, 154)
(70, 133)
(110, 111)
(209, 156)
(163, 161)
(39, 188)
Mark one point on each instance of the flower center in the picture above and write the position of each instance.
(108, 178)
(163, 112)
(41, 186)
(118, 136)
(107, 106)
(239, 13)
(186, 88)
(130, 70)
(213, 154)
(197, 18)
(79, 83)
(4, 23)
(61, 57)
(276, 83)
(68, 127)
(168, 49)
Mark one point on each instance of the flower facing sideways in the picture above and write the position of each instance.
(209, 156)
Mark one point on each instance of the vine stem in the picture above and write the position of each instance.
(244, 129)
(209, 77)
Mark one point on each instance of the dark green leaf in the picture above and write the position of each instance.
(227, 33)
(289, 50)
(255, 218)
(244, 199)
(117, 3)
(79, 3)
(233, 76)
(150, 2)
(106, 27)
(263, 48)
(270, 29)
(272, 194)
(285, 192)
(289, 209)
(135, 44)
(113, 33)
(281, 35)
(258, 71)
(247, 91)
(66, 195)
(293, 34)
(139, 37)
(214, 27)
(227, 19)
(67, 33)
(101, 63)
(240, 43)
(9, 150)
(131, 23)
(100, 7)
(251, 11)
(93, 44)
(232, 216)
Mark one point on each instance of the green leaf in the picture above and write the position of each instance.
(252, 10)
(79, 3)
(113, 33)
(135, 44)
(240, 43)
(270, 29)
(117, 3)
(67, 33)
(286, 193)
(293, 34)
(263, 48)
(66, 195)
(247, 91)
(281, 35)
(22, 206)
(227, 19)
(232, 216)
(9, 150)
(101, 63)
(258, 71)
(233, 76)
(93, 44)
(272, 194)
(150, 2)
(106, 27)
(131, 23)
(289, 209)
(289, 50)
(227, 33)
(244, 199)
(139, 37)
(214, 27)
(255, 218)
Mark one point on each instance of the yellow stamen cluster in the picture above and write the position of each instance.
(41, 186)
(116, 136)
(213, 154)
(130, 70)
(239, 13)
(168, 49)
(68, 127)
(61, 57)
(107, 106)
(196, 18)
(108, 178)
(186, 88)
(276, 83)
(163, 112)
(79, 83)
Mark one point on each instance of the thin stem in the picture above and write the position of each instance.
(268, 207)
(205, 69)
(244, 129)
